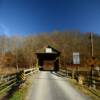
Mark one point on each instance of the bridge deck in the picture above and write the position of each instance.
(48, 86)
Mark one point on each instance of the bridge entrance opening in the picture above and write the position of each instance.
(48, 60)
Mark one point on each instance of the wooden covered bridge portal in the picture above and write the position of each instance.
(49, 59)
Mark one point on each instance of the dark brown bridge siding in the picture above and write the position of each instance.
(48, 61)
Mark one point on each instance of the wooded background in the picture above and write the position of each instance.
(18, 51)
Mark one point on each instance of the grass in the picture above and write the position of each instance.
(3, 94)
(16, 94)
(22, 92)
(4, 91)
(5, 70)
(86, 90)
(19, 95)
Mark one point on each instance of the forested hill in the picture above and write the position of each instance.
(20, 51)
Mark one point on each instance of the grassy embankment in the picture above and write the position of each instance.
(17, 93)
(23, 90)
(86, 90)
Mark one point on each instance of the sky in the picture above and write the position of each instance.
(25, 17)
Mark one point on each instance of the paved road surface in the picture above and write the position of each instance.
(48, 86)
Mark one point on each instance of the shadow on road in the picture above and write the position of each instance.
(58, 74)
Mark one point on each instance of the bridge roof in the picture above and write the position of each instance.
(48, 50)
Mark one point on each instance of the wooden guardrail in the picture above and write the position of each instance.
(94, 81)
(29, 71)
(87, 80)
(67, 72)
(7, 81)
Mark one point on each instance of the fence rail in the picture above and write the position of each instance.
(7, 81)
(67, 72)
(93, 81)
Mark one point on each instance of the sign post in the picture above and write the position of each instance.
(76, 58)
(92, 63)
(76, 61)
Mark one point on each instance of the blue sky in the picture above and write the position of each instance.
(37, 16)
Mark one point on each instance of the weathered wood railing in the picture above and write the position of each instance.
(7, 81)
(66, 72)
(87, 80)
(29, 71)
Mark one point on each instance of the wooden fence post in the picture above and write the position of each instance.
(73, 73)
(94, 85)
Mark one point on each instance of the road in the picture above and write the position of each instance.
(49, 86)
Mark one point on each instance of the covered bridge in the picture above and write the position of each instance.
(48, 59)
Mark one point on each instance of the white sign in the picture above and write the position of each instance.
(48, 50)
(76, 58)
